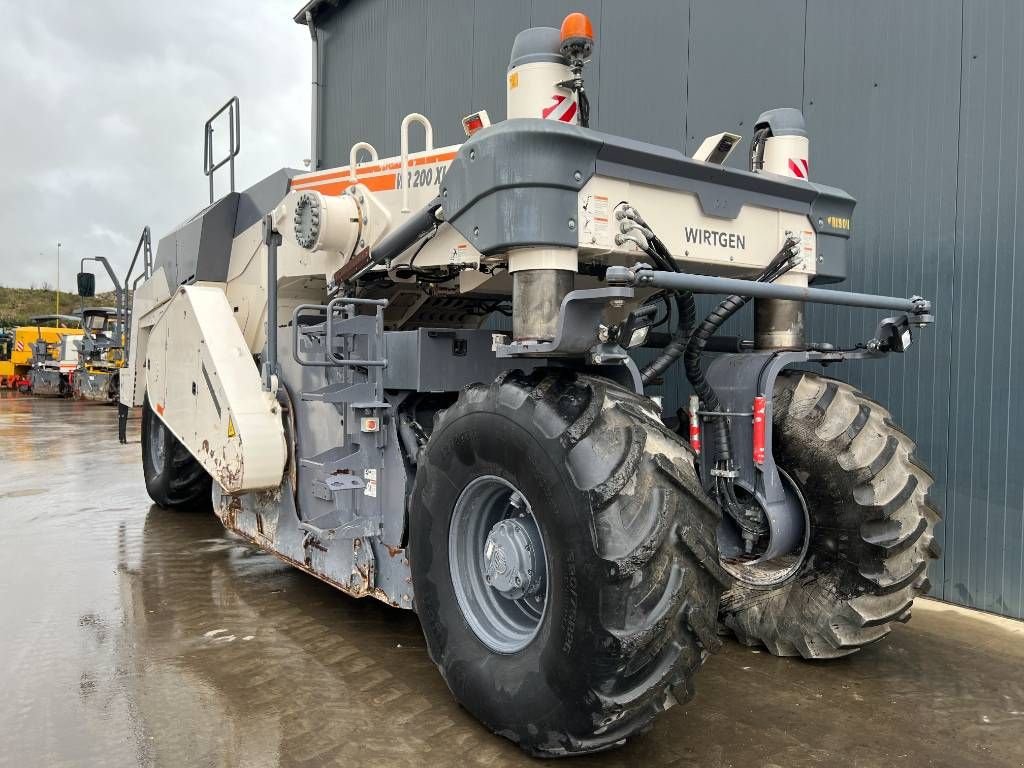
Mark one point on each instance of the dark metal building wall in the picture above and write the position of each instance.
(882, 100)
(914, 107)
(984, 530)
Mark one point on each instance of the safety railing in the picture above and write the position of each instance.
(339, 318)
(145, 248)
(210, 166)
(353, 156)
(428, 138)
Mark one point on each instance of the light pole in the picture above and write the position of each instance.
(58, 277)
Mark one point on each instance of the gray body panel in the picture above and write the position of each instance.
(200, 249)
(352, 560)
(342, 512)
(516, 184)
(439, 360)
(262, 197)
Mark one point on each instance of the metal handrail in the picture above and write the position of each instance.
(428, 138)
(327, 311)
(234, 143)
(145, 247)
(343, 301)
(353, 156)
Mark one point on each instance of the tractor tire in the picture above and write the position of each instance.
(174, 479)
(872, 525)
(628, 554)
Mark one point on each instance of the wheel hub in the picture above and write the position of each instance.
(498, 564)
(511, 565)
(157, 445)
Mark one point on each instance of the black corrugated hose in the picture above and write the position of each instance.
(686, 317)
(686, 311)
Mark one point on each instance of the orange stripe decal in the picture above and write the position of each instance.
(377, 177)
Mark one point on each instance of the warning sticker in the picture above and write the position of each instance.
(459, 254)
(370, 476)
(231, 427)
(595, 219)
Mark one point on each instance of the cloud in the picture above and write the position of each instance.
(104, 102)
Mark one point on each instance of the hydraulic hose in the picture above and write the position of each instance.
(686, 314)
(686, 310)
(693, 364)
(757, 149)
(691, 345)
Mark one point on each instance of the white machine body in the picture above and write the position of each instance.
(208, 391)
(705, 244)
(206, 386)
(787, 156)
(532, 92)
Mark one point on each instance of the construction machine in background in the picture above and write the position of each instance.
(39, 341)
(311, 355)
(102, 352)
(6, 349)
(52, 373)
(100, 355)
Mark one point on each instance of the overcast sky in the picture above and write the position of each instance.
(103, 105)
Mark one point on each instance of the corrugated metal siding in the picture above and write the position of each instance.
(914, 107)
(882, 102)
(983, 533)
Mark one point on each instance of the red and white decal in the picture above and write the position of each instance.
(799, 167)
(19, 346)
(562, 109)
(695, 424)
(760, 405)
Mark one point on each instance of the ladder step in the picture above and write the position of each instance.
(335, 459)
(342, 392)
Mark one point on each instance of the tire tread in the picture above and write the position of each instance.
(884, 528)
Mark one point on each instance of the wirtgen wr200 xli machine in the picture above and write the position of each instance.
(569, 548)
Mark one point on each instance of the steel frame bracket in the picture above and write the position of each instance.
(576, 335)
(578, 319)
(738, 378)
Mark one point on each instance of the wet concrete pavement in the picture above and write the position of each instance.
(133, 636)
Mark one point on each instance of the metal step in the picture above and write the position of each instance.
(341, 392)
(338, 459)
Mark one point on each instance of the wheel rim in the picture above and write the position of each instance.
(778, 570)
(157, 444)
(498, 564)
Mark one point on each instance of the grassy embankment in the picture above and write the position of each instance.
(17, 305)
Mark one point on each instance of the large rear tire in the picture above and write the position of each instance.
(174, 479)
(616, 538)
(871, 518)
